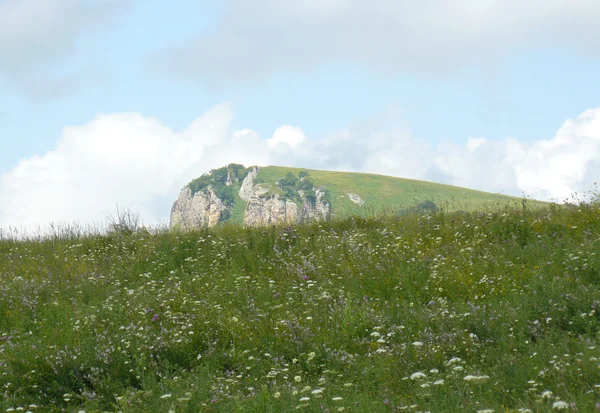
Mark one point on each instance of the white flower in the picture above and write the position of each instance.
(417, 344)
(438, 382)
(297, 379)
(277, 394)
(547, 394)
(317, 391)
(375, 334)
(560, 405)
(418, 375)
(477, 379)
(165, 396)
(453, 360)
(337, 398)
(304, 399)
(486, 411)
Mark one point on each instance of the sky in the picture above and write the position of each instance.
(120, 103)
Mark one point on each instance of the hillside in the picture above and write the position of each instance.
(495, 311)
(272, 195)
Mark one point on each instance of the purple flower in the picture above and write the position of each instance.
(155, 317)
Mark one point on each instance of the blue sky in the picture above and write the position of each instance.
(503, 98)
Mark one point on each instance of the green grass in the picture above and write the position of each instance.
(446, 312)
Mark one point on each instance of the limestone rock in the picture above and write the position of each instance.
(320, 211)
(247, 189)
(270, 211)
(202, 209)
(356, 199)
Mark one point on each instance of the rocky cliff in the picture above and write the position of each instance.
(204, 208)
(197, 210)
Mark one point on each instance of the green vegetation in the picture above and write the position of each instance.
(217, 179)
(381, 194)
(489, 310)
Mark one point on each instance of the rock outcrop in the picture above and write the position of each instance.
(270, 211)
(247, 190)
(205, 209)
(319, 211)
(199, 210)
(356, 199)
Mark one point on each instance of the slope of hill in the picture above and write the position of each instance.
(272, 195)
(443, 312)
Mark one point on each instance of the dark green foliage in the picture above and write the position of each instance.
(217, 180)
(421, 208)
(238, 171)
(305, 185)
(200, 183)
(288, 181)
(427, 206)
(225, 194)
(220, 175)
(290, 185)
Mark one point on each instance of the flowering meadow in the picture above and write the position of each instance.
(489, 311)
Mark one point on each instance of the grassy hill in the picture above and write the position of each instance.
(440, 312)
(378, 192)
(388, 194)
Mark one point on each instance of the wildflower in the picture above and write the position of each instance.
(337, 398)
(477, 379)
(438, 382)
(304, 399)
(486, 411)
(317, 391)
(560, 405)
(547, 394)
(417, 344)
(165, 396)
(453, 360)
(341, 409)
(277, 395)
(297, 379)
(418, 376)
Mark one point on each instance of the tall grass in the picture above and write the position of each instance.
(495, 310)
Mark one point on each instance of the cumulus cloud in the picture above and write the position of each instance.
(255, 39)
(37, 37)
(137, 162)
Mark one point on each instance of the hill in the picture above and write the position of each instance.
(272, 195)
(495, 311)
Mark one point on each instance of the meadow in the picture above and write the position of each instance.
(495, 310)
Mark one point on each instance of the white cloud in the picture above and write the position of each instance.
(255, 39)
(38, 37)
(136, 162)
(287, 136)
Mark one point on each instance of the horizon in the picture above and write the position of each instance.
(123, 102)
